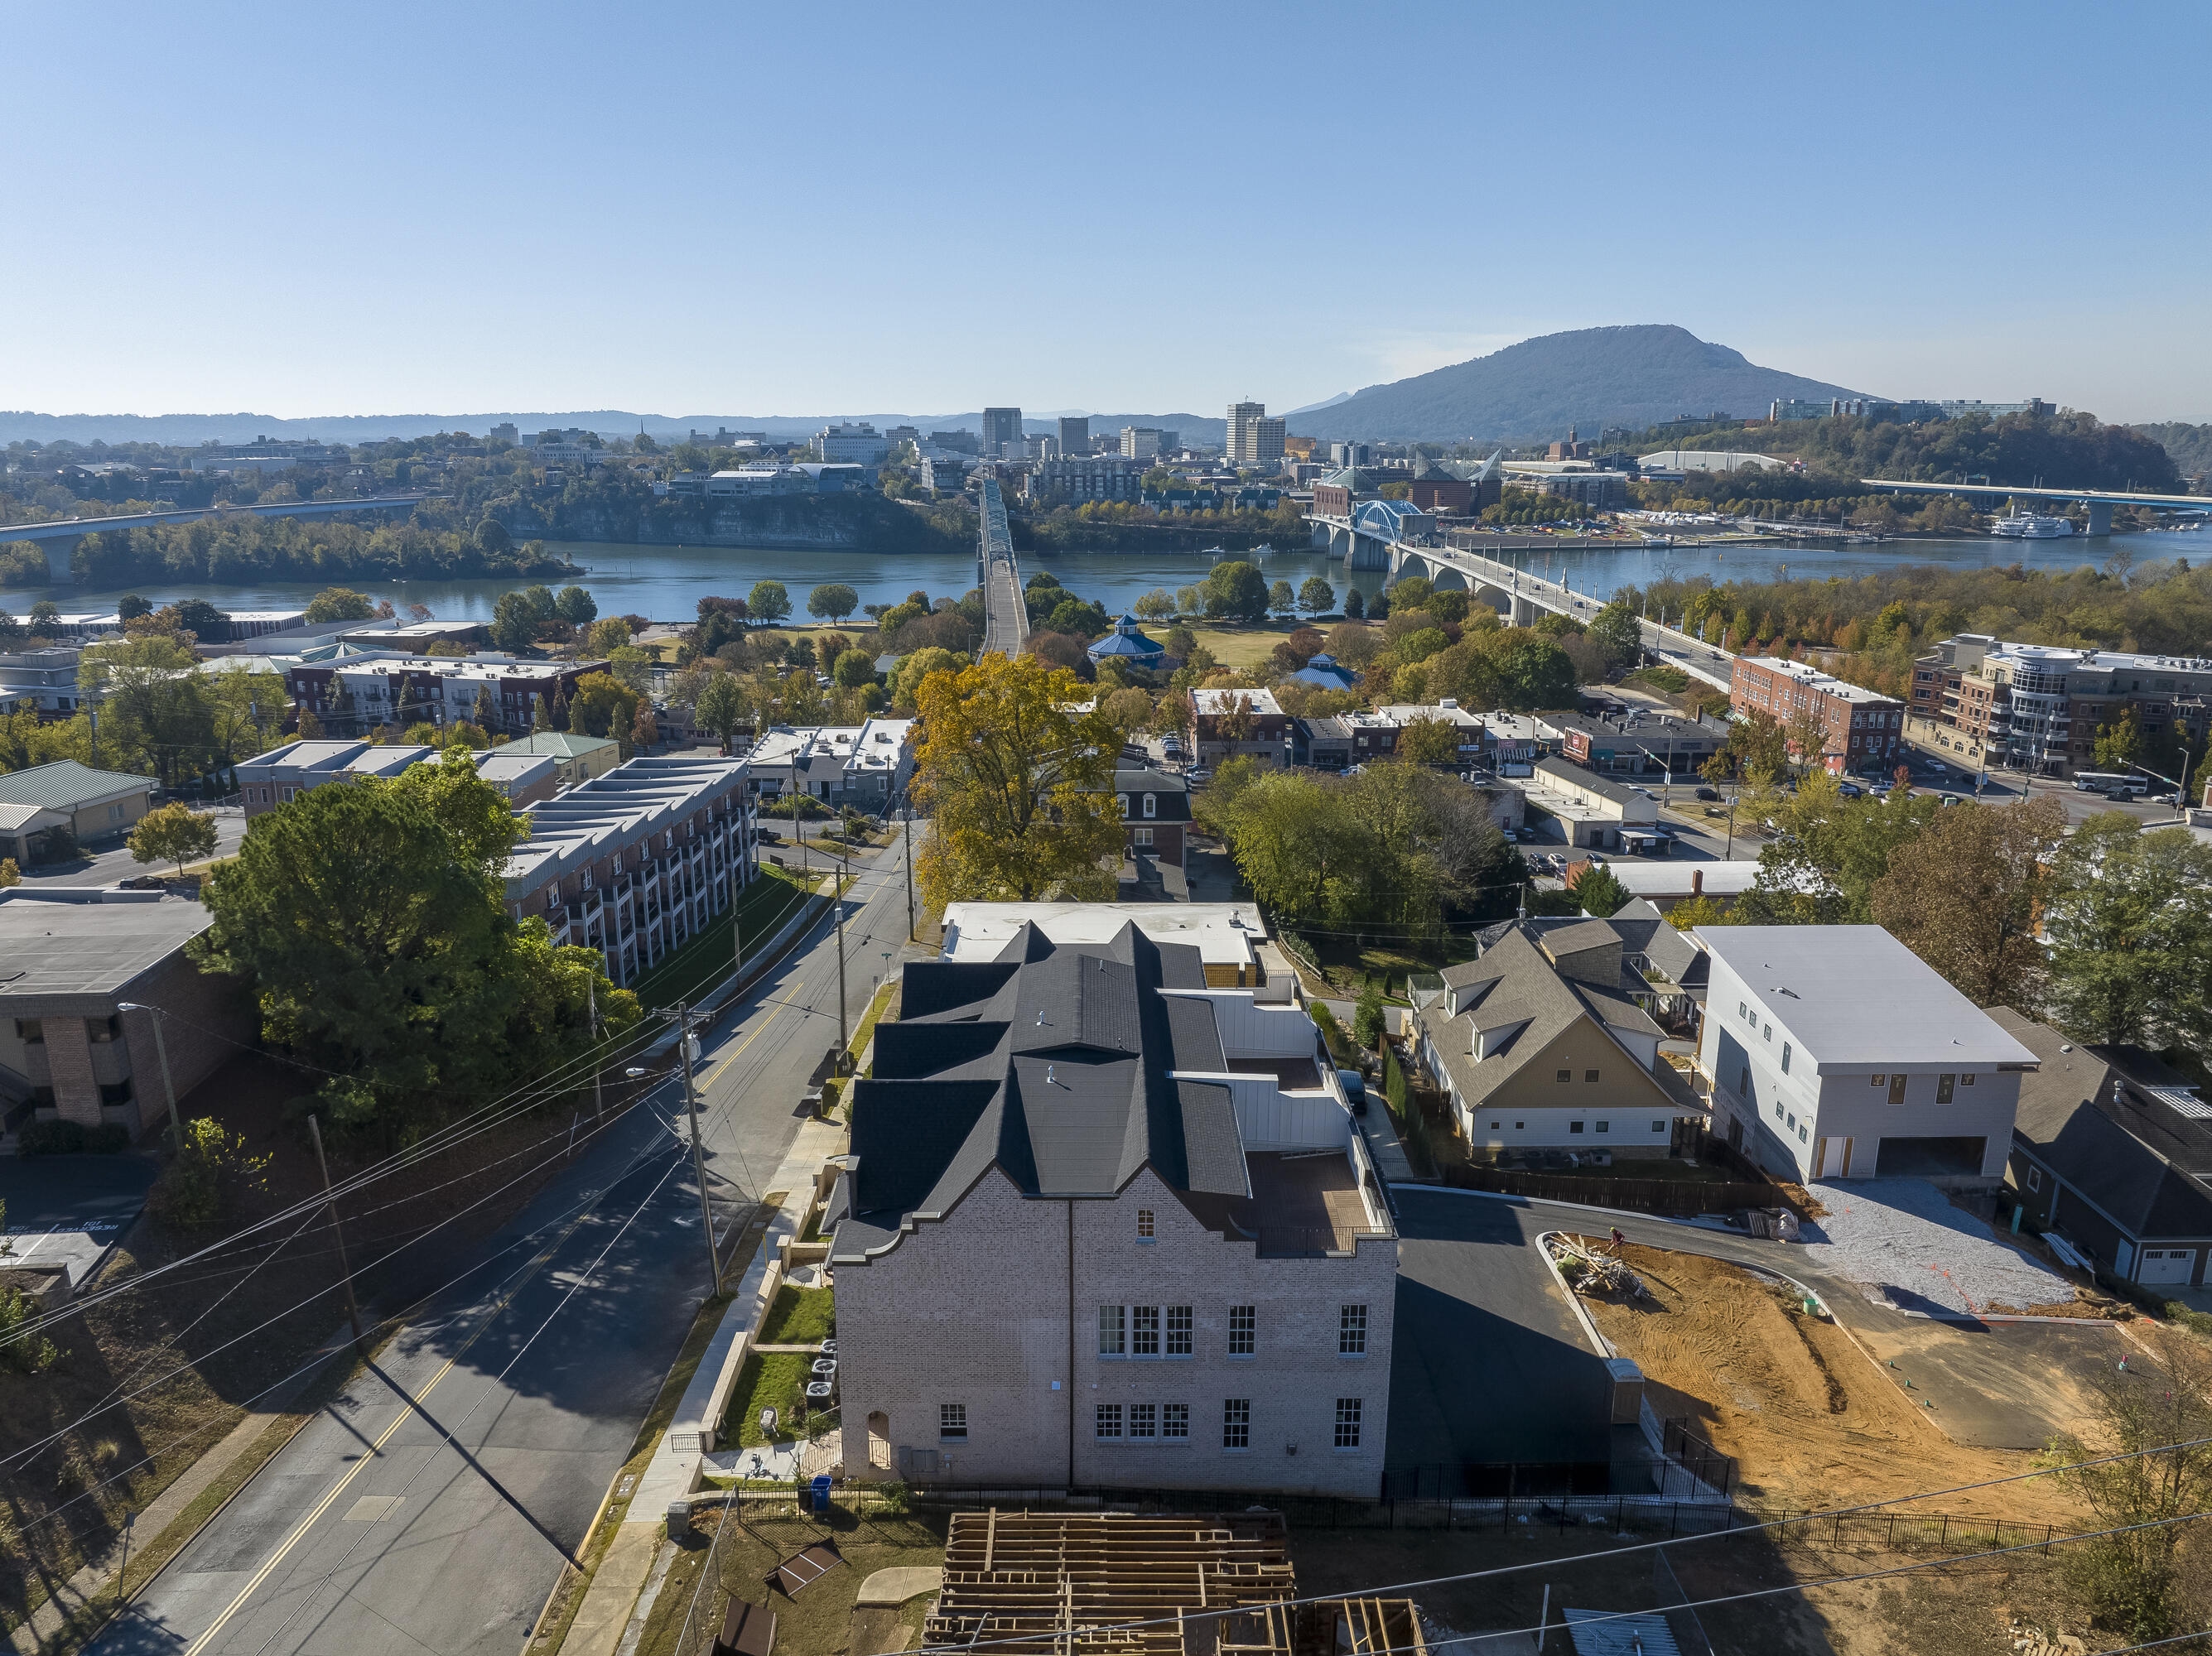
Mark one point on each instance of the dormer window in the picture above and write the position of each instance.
(1151, 804)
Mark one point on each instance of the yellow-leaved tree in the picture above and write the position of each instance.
(1020, 787)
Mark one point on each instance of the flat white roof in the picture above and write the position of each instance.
(1670, 878)
(1827, 684)
(1223, 933)
(1852, 997)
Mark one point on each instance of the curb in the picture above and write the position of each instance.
(1602, 1346)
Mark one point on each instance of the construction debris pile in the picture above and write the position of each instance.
(1589, 1269)
(1129, 1584)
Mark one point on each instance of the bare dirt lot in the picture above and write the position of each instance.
(1810, 1418)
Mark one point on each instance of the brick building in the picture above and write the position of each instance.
(2033, 708)
(67, 1049)
(1864, 729)
(1228, 724)
(277, 777)
(1158, 1190)
(1156, 807)
(353, 695)
(636, 862)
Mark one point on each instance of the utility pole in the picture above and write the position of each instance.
(844, 1033)
(161, 1052)
(331, 1206)
(683, 1044)
(598, 1068)
(910, 872)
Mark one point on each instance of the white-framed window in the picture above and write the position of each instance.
(1352, 1330)
(1144, 1330)
(1142, 836)
(2034, 1177)
(1603, 1125)
(1107, 1422)
(1175, 1421)
(1179, 1331)
(1769, 1032)
(1236, 1423)
(1145, 1420)
(952, 1423)
(1243, 1329)
(1113, 1330)
(1152, 806)
(1348, 1411)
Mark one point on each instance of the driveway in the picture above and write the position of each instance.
(1993, 1384)
(70, 1209)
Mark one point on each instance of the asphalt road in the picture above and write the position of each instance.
(430, 1506)
(114, 862)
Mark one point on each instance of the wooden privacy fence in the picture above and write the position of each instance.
(1644, 1195)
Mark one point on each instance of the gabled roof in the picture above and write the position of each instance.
(64, 785)
(2075, 1118)
(1051, 1062)
(1514, 982)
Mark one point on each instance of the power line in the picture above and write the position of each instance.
(397, 1318)
(29, 1450)
(1176, 1620)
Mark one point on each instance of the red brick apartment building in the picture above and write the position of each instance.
(1865, 729)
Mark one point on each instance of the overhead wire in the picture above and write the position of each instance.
(527, 1238)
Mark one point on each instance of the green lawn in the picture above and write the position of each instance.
(704, 960)
(769, 1380)
(800, 1316)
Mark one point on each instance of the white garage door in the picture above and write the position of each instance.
(2171, 1264)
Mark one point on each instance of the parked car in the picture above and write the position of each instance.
(1948, 799)
(1850, 790)
(1709, 793)
(1355, 1090)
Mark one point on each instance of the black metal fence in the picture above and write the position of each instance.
(1642, 1195)
(1689, 1456)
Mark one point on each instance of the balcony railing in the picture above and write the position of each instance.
(1310, 1242)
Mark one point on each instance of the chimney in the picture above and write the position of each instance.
(1697, 882)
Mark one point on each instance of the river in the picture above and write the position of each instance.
(666, 583)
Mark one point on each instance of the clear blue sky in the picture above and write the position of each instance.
(802, 210)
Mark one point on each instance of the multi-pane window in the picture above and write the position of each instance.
(1144, 1420)
(1146, 1227)
(1243, 1329)
(1352, 1330)
(1347, 1423)
(1179, 1324)
(952, 1421)
(1175, 1420)
(1112, 1331)
(1144, 1330)
(1108, 1420)
(1236, 1423)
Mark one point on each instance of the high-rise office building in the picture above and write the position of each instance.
(1140, 442)
(1074, 435)
(1002, 433)
(1253, 439)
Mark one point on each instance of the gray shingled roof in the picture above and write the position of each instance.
(1050, 1063)
(2071, 1117)
(1518, 983)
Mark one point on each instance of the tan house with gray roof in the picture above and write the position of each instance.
(1546, 1042)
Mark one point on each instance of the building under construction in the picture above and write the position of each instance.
(1126, 1584)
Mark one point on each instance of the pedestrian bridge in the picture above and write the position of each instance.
(1006, 615)
(1521, 597)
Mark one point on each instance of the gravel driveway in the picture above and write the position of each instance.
(1904, 1237)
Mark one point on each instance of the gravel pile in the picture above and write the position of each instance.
(1904, 1237)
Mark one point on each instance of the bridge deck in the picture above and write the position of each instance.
(1005, 617)
(70, 528)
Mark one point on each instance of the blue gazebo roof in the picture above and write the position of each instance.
(1127, 641)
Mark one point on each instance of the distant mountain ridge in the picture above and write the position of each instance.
(184, 430)
(1591, 377)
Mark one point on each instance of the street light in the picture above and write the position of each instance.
(162, 1051)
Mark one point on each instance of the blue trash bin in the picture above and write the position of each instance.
(821, 1493)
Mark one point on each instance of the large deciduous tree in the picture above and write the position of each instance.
(370, 923)
(1964, 895)
(175, 834)
(1021, 788)
(769, 600)
(721, 708)
(1615, 630)
(833, 601)
(2130, 925)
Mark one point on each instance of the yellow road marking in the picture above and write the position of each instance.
(716, 1073)
(200, 1644)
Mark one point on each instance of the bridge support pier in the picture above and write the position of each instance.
(1522, 612)
(2100, 518)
